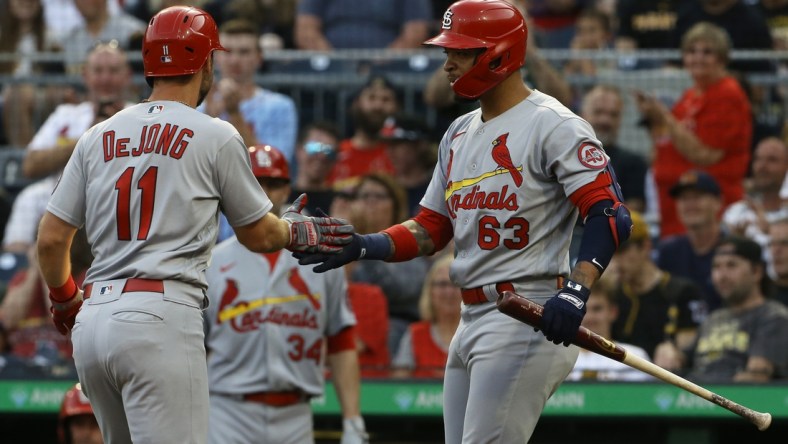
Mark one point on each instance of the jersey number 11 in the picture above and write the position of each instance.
(147, 186)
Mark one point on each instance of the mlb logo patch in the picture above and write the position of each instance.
(155, 109)
(107, 289)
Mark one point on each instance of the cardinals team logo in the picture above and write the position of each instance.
(591, 156)
(500, 152)
(447, 19)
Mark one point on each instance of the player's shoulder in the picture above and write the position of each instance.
(69, 110)
(461, 123)
(546, 107)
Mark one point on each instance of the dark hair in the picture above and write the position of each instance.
(395, 191)
(239, 27)
(320, 125)
(9, 33)
(601, 17)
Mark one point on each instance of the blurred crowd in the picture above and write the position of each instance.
(700, 288)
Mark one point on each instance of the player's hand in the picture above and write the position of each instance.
(324, 235)
(564, 312)
(349, 253)
(64, 313)
(353, 431)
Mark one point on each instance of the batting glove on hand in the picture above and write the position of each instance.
(348, 254)
(64, 313)
(353, 431)
(563, 313)
(315, 234)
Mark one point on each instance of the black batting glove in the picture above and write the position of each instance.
(564, 312)
(325, 262)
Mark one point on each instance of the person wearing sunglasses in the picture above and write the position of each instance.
(316, 154)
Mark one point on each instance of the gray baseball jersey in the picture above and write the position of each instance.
(148, 183)
(268, 319)
(505, 185)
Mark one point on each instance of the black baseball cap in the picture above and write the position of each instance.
(741, 246)
(695, 180)
(404, 127)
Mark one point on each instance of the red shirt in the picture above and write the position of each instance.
(429, 356)
(720, 117)
(372, 328)
(354, 162)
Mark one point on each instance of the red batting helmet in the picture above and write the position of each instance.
(493, 25)
(178, 41)
(268, 162)
(75, 403)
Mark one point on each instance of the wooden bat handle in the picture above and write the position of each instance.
(530, 312)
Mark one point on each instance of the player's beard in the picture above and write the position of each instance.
(205, 86)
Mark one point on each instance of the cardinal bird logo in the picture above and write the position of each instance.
(297, 282)
(229, 295)
(500, 152)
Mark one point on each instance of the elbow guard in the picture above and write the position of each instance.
(618, 217)
(607, 224)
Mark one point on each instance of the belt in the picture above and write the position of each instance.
(473, 296)
(490, 292)
(277, 399)
(134, 285)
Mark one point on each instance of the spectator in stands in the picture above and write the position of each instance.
(364, 152)
(106, 76)
(750, 217)
(747, 340)
(25, 309)
(778, 254)
(62, 16)
(603, 108)
(593, 32)
(654, 306)
(99, 27)
(370, 305)
(24, 34)
(411, 154)
(261, 116)
(743, 23)
(646, 24)
(77, 423)
(776, 14)
(323, 25)
(554, 21)
(601, 312)
(12, 366)
(380, 202)
(709, 128)
(316, 153)
(689, 255)
(423, 350)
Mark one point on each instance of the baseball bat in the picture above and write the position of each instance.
(530, 312)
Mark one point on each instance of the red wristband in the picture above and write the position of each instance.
(405, 245)
(65, 292)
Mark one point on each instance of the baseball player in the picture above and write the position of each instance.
(147, 184)
(76, 423)
(268, 324)
(510, 181)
